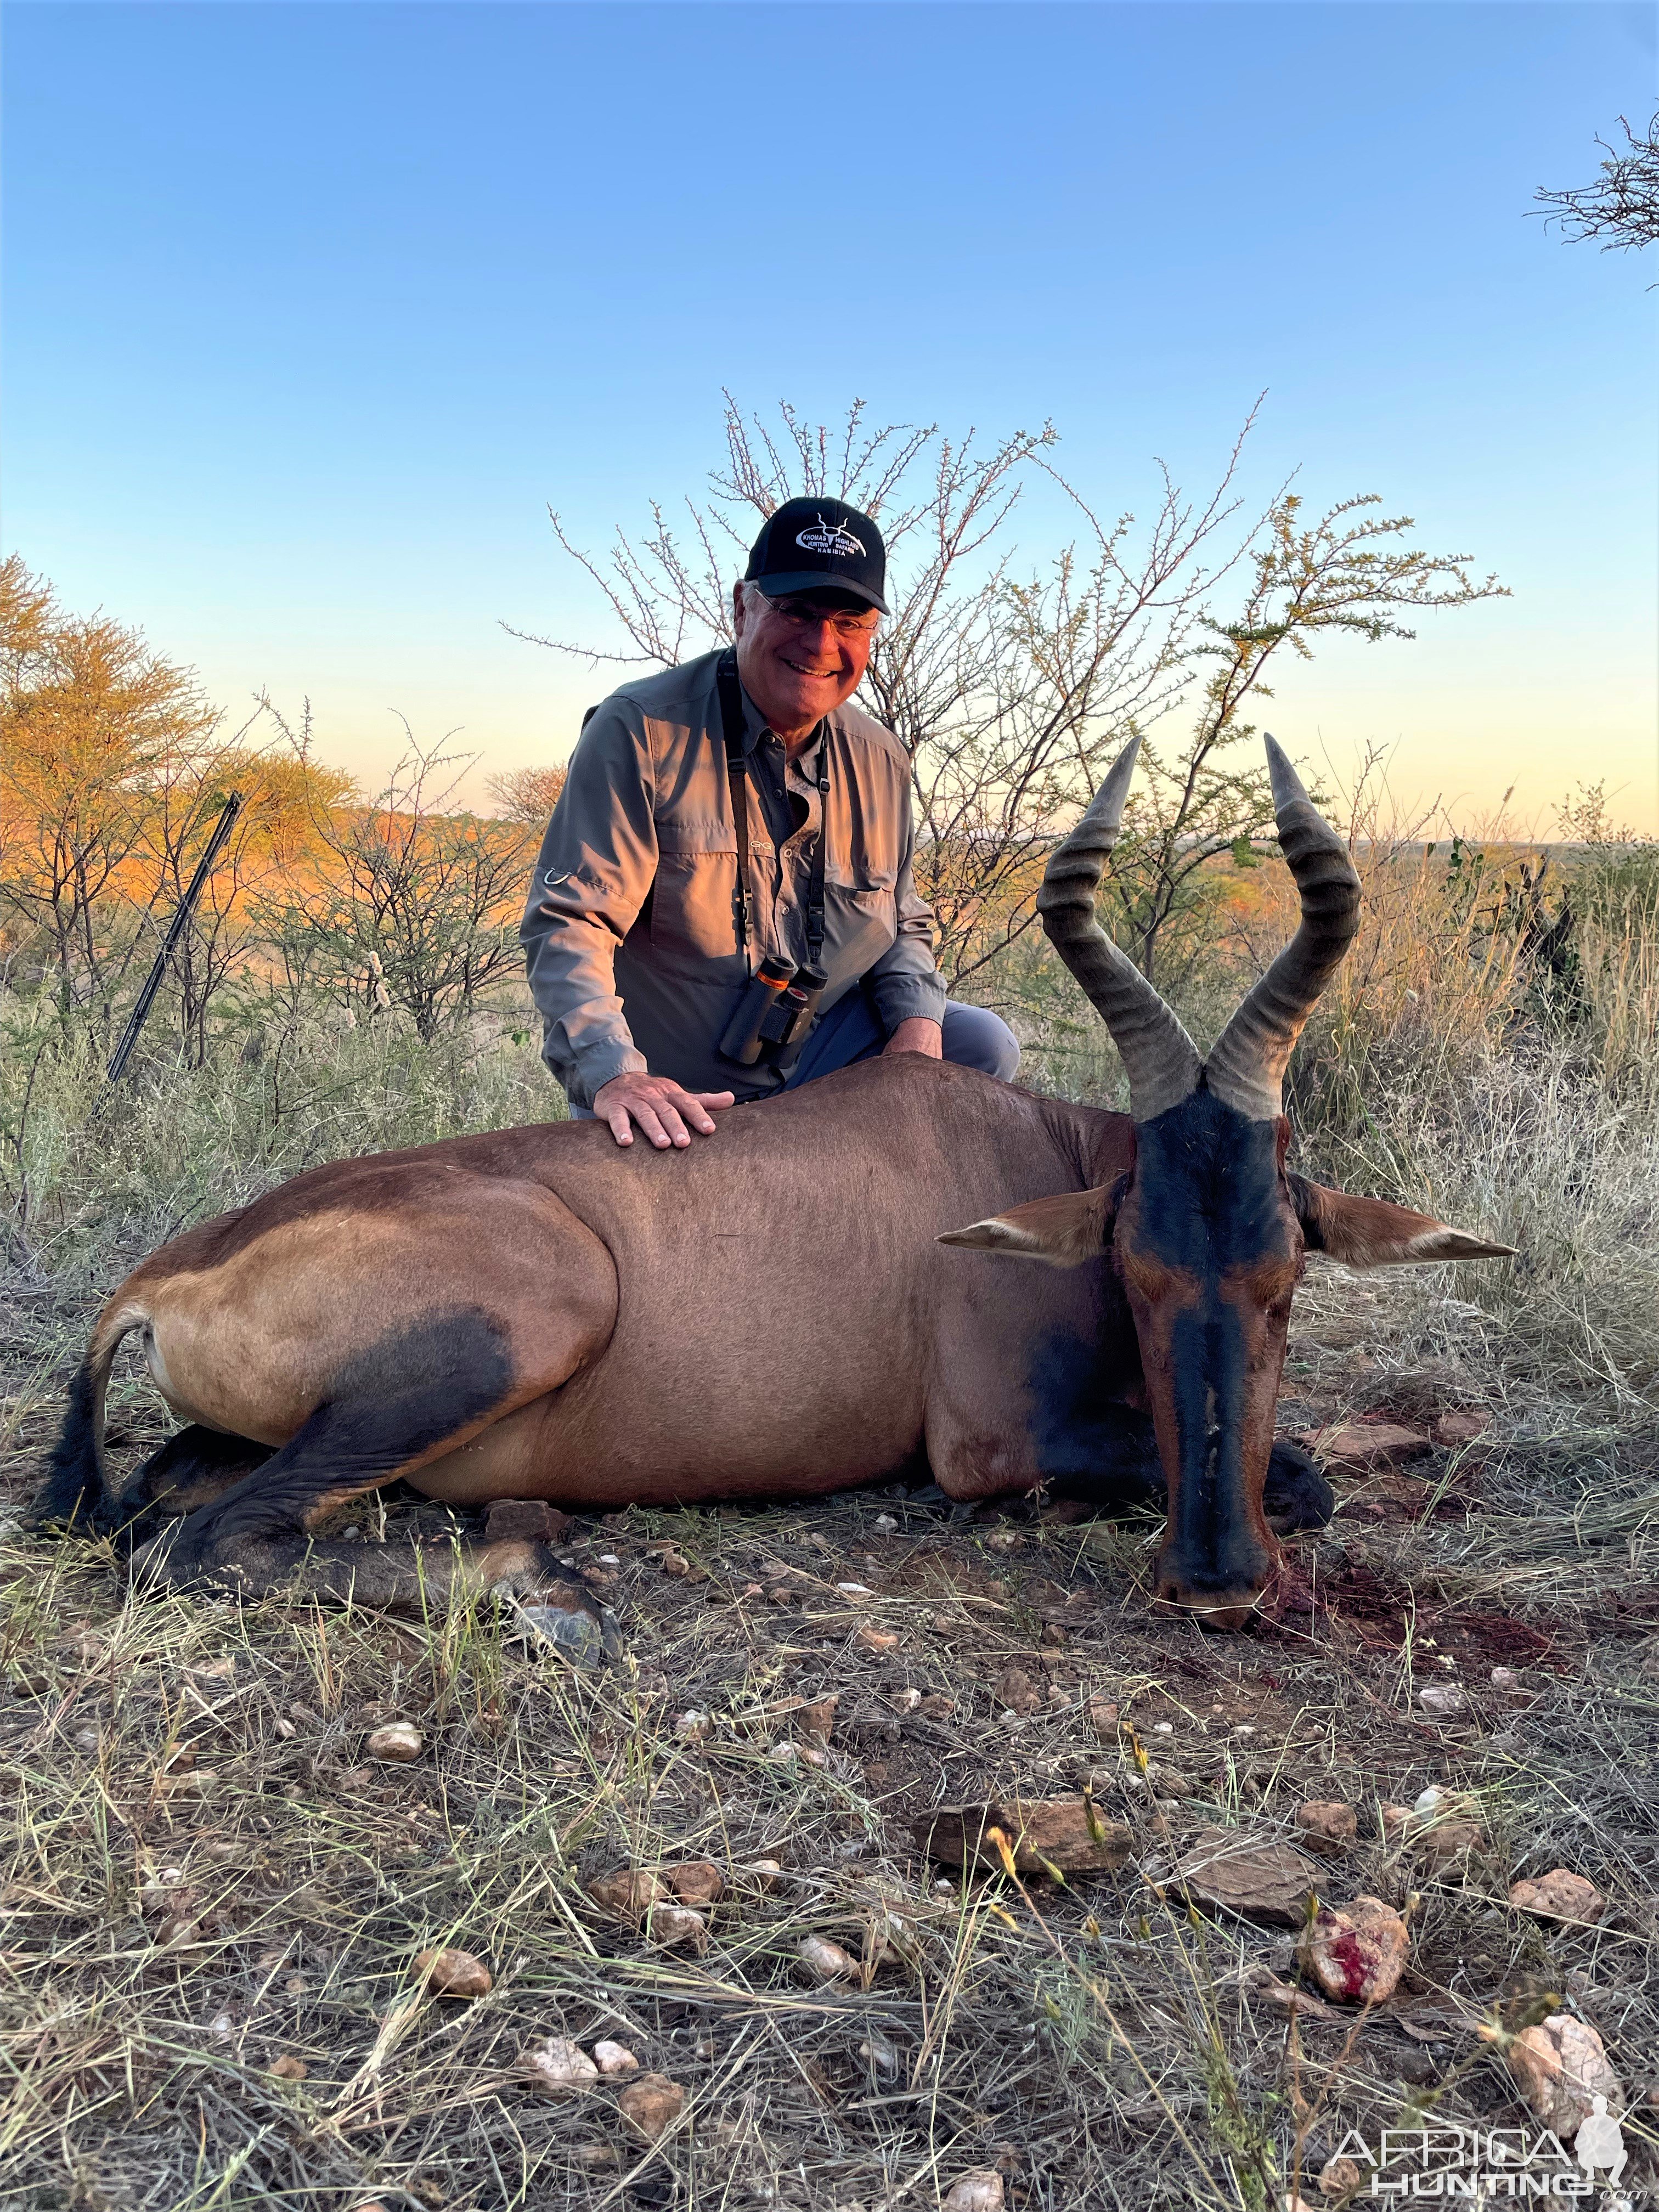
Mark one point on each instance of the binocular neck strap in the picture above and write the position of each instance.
(730, 693)
(732, 729)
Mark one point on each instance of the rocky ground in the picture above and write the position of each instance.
(238, 1838)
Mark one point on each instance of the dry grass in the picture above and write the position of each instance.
(171, 1932)
(1112, 2054)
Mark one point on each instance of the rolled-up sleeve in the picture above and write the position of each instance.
(904, 983)
(597, 862)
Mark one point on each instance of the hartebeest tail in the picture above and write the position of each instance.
(77, 1490)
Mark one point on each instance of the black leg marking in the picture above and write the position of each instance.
(1296, 1495)
(388, 1405)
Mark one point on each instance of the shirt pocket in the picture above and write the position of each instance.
(691, 913)
(860, 923)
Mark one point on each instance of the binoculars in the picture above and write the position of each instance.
(776, 1014)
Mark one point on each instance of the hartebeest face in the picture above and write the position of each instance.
(1207, 1232)
(1209, 1250)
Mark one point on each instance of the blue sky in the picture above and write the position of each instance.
(311, 310)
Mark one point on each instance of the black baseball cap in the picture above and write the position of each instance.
(808, 544)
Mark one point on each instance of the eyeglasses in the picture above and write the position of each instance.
(809, 614)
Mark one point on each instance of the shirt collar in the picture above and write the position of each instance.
(754, 728)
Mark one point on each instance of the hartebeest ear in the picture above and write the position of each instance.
(1064, 1231)
(1370, 1232)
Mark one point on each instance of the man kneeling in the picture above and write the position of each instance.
(724, 906)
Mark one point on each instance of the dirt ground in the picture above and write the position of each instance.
(212, 1898)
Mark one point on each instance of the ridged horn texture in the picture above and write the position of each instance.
(1246, 1069)
(1159, 1057)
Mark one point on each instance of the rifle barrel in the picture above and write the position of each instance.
(140, 1014)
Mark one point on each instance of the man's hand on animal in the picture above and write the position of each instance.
(661, 1108)
(917, 1035)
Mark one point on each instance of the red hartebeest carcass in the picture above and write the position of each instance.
(785, 1310)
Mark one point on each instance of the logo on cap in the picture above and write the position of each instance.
(830, 538)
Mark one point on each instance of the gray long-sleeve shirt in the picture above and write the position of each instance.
(629, 933)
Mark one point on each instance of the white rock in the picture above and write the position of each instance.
(397, 1743)
(678, 1927)
(615, 2059)
(825, 1961)
(979, 2191)
(783, 1753)
(560, 2068)
(1506, 1678)
(693, 1727)
(855, 1590)
(886, 1523)
(1444, 1698)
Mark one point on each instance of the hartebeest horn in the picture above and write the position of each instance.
(1159, 1057)
(1247, 1067)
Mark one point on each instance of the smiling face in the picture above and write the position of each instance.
(802, 655)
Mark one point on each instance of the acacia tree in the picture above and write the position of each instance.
(1348, 572)
(1620, 209)
(526, 794)
(268, 849)
(91, 718)
(1011, 684)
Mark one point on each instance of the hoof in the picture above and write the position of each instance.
(583, 1634)
(1296, 1495)
(176, 1559)
(150, 1565)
